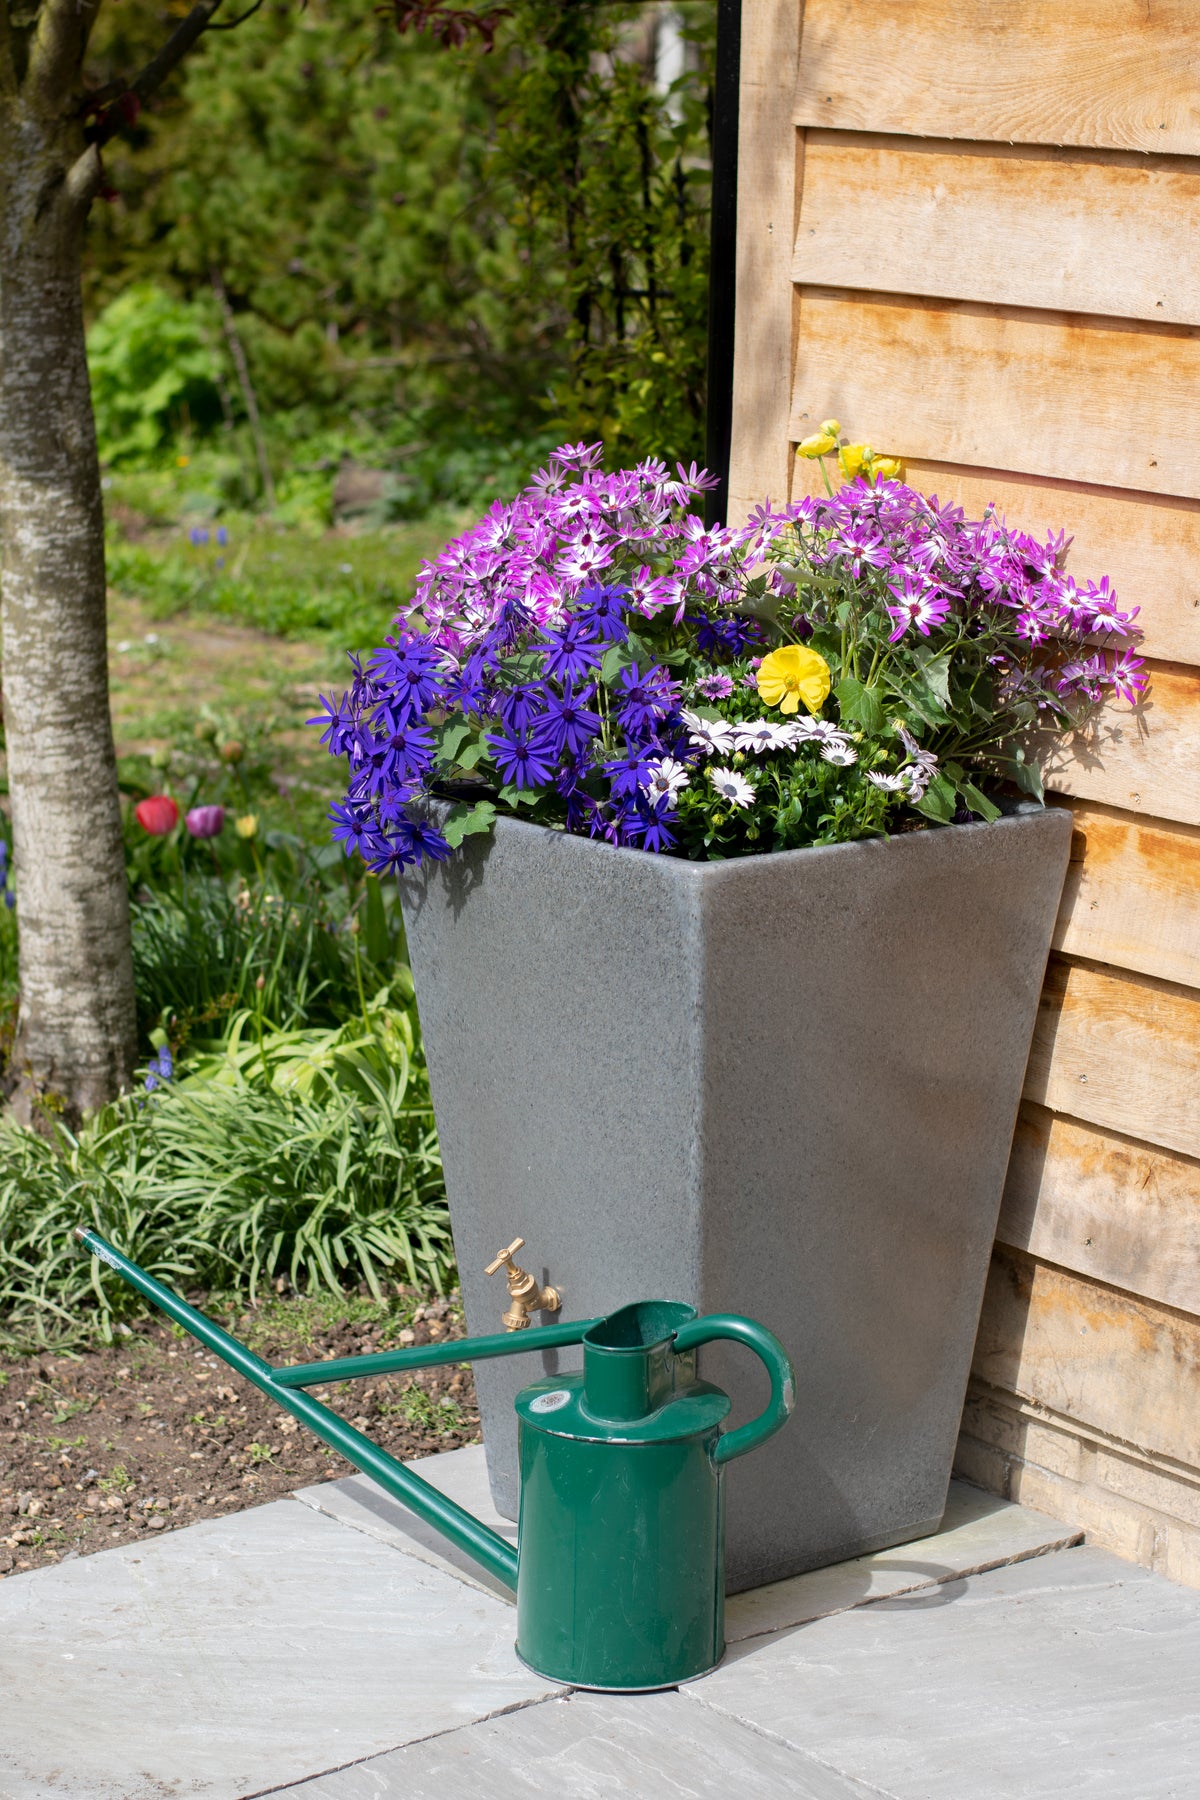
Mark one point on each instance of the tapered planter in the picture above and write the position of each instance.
(783, 1086)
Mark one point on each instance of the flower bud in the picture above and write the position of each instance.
(247, 825)
(820, 444)
(160, 757)
(232, 752)
(832, 426)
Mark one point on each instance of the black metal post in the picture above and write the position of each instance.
(722, 278)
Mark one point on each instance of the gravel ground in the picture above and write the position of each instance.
(127, 1440)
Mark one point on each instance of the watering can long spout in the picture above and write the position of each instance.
(286, 1387)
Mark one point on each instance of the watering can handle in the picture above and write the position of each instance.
(770, 1351)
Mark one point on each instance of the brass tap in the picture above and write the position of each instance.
(526, 1296)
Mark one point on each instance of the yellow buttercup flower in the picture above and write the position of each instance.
(854, 458)
(832, 426)
(247, 825)
(820, 444)
(886, 468)
(792, 674)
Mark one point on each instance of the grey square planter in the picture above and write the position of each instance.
(783, 1086)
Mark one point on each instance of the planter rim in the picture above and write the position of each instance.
(726, 867)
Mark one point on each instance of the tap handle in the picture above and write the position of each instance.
(505, 1256)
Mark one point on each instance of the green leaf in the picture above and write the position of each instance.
(939, 801)
(450, 739)
(468, 821)
(615, 658)
(467, 758)
(376, 938)
(978, 803)
(916, 693)
(1027, 776)
(860, 705)
(936, 672)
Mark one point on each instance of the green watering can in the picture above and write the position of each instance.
(619, 1570)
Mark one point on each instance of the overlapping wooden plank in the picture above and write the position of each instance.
(1122, 1051)
(1128, 1366)
(1105, 1206)
(1143, 1508)
(1132, 895)
(1147, 544)
(1104, 232)
(1113, 74)
(1146, 761)
(1038, 393)
(769, 150)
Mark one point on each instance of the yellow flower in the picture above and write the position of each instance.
(832, 426)
(792, 674)
(820, 444)
(886, 468)
(854, 458)
(247, 825)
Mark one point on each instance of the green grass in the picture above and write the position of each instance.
(293, 580)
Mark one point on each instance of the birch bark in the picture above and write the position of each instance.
(76, 1027)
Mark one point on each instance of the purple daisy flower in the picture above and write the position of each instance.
(524, 759)
(353, 828)
(570, 724)
(628, 774)
(642, 700)
(340, 722)
(571, 654)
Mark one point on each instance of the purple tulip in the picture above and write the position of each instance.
(206, 821)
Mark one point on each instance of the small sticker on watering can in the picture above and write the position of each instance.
(550, 1402)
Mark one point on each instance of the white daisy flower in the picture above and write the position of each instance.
(666, 778)
(732, 787)
(808, 731)
(840, 753)
(761, 735)
(889, 784)
(923, 760)
(713, 735)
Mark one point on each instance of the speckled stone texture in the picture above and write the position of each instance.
(782, 1086)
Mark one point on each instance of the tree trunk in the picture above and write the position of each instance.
(75, 1042)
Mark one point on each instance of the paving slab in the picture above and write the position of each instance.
(592, 1747)
(1072, 1673)
(236, 1656)
(462, 1474)
(978, 1532)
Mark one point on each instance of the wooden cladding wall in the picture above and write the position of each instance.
(972, 233)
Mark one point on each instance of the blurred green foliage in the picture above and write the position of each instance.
(437, 261)
(153, 368)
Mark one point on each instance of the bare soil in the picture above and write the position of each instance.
(126, 1441)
